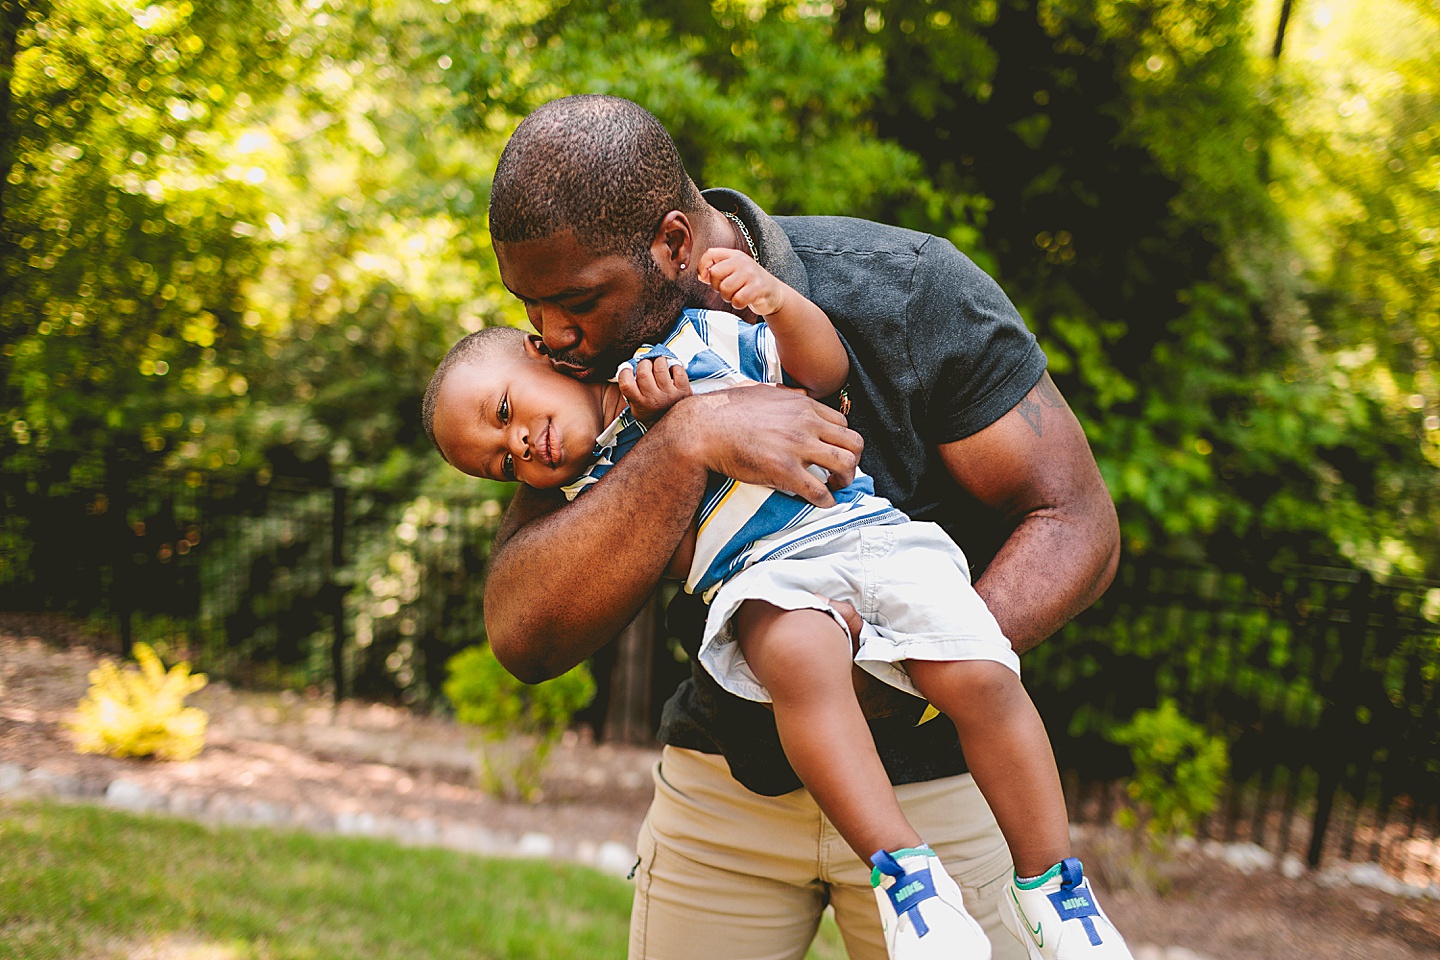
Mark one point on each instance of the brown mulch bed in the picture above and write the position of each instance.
(304, 753)
(295, 751)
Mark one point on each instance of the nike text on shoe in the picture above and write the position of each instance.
(1056, 917)
(921, 911)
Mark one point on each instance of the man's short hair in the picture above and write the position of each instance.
(601, 166)
(472, 348)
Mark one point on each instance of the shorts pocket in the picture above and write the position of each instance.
(640, 906)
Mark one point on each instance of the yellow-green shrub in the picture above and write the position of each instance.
(140, 712)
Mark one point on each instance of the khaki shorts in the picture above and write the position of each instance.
(726, 874)
(909, 583)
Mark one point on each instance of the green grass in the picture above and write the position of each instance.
(85, 882)
(74, 879)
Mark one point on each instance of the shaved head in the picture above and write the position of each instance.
(601, 166)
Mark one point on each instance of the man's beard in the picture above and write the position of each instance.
(657, 308)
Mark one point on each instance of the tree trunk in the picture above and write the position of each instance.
(1285, 10)
(628, 719)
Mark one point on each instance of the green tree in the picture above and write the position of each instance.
(758, 99)
(238, 235)
(1357, 175)
(124, 220)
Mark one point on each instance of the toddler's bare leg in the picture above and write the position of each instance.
(1008, 752)
(803, 658)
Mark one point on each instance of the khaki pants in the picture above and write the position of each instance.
(726, 874)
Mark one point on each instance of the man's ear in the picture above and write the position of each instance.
(673, 244)
(535, 347)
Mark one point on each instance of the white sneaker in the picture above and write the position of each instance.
(921, 910)
(1057, 918)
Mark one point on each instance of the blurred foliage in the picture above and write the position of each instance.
(419, 603)
(122, 264)
(519, 722)
(1312, 677)
(1180, 771)
(141, 712)
(237, 236)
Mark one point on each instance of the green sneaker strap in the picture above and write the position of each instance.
(921, 851)
(1038, 881)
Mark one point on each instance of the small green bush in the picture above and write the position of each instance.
(518, 723)
(1180, 770)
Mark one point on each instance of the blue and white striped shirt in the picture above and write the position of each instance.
(739, 523)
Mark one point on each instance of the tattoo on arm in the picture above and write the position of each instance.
(1030, 410)
(1045, 394)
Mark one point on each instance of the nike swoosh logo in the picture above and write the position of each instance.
(1036, 933)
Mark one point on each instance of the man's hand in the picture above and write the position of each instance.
(769, 436)
(743, 283)
(653, 387)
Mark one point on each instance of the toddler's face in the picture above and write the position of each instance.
(511, 416)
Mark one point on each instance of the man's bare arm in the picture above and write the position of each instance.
(1034, 465)
(565, 579)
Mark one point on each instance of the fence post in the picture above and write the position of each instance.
(123, 575)
(1338, 709)
(337, 589)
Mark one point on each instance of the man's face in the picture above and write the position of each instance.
(510, 416)
(592, 309)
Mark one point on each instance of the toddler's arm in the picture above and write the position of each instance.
(810, 349)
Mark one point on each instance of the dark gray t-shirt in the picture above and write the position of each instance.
(937, 353)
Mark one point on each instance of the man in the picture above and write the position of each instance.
(598, 230)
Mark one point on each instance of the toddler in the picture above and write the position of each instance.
(769, 565)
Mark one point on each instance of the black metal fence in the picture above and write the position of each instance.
(1322, 682)
(278, 584)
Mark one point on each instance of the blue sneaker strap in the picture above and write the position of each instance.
(908, 890)
(1073, 901)
(885, 862)
(1072, 872)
